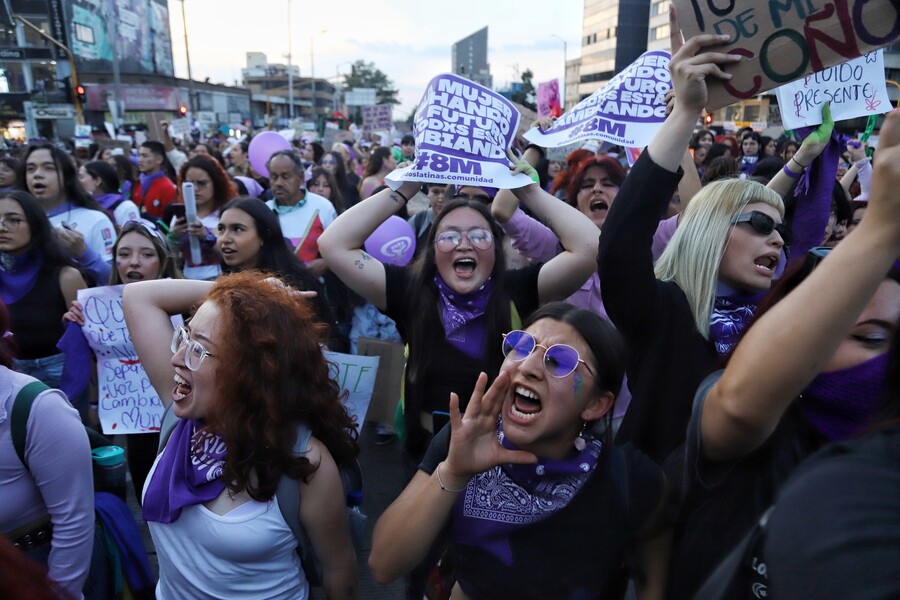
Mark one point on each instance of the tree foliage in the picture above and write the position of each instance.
(525, 95)
(365, 75)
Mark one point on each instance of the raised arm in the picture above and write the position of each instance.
(568, 270)
(809, 150)
(341, 245)
(147, 306)
(742, 409)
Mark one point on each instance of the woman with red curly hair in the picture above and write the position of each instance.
(212, 189)
(241, 390)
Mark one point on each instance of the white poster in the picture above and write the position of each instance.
(355, 375)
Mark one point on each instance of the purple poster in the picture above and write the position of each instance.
(627, 111)
(463, 131)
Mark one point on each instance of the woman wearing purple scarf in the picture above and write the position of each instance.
(246, 372)
(808, 372)
(37, 283)
(455, 300)
(101, 181)
(534, 503)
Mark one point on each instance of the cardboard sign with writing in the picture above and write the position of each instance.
(783, 40)
(379, 116)
(463, 131)
(355, 375)
(855, 88)
(389, 380)
(627, 111)
(127, 401)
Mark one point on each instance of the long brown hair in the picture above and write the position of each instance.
(271, 376)
(223, 189)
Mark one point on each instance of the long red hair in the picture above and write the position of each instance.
(271, 376)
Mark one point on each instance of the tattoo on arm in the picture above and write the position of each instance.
(366, 256)
(397, 198)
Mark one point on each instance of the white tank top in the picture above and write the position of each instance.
(248, 553)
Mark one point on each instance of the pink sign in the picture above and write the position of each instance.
(548, 99)
(135, 97)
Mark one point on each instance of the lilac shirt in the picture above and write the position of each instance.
(538, 243)
(60, 482)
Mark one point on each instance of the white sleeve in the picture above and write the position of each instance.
(102, 236)
(126, 211)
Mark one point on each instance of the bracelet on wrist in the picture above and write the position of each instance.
(790, 173)
(797, 162)
(399, 193)
(441, 481)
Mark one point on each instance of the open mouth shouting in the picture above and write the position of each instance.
(599, 204)
(766, 264)
(132, 276)
(182, 388)
(526, 404)
(464, 267)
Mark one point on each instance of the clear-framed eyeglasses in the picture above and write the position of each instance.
(194, 353)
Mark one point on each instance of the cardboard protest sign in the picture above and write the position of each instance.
(127, 401)
(548, 99)
(855, 88)
(355, 375)
(462, 132)
(561, 153)
(379, 116)
(783, 40)
(627, 111)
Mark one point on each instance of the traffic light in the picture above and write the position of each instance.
(81, 94)
(183, 110)
(708, 119)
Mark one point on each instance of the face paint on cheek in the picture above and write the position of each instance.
(579, 382)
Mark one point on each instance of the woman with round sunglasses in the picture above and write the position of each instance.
(808, 372)
(240, 388)
(457, 297)
(533, 504)
(679, 315)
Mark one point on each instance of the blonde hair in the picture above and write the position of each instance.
(693, 256)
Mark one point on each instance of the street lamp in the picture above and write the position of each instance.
(187, 55)
(565, 60)
(337, 79)
(312, 70)
(290, 69)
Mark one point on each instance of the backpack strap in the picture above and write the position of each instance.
(288, 490)
(20, 411)
(168, 423)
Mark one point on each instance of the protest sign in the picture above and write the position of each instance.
(548, 99)
(855, 89)
(627, 111)
(783, 40)
(127, 401)
(462, 132)
(379, 116)
(561, 153)
(180, 127)
(355, 375)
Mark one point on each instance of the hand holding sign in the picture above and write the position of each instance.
(690, 68)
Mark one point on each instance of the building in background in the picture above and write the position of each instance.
(469, 58)
(268, 84)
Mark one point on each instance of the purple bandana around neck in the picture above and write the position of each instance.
(189, 472)
(462, 316)
(730, 316)
(840, 404)
(18, 274)
(501, 500)
(147, 181)
(58, 210)
(106, 201)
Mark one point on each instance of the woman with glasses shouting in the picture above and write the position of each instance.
(244, 374)
(533, 503)
(453, 302)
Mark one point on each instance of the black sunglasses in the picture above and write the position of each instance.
(764, 224)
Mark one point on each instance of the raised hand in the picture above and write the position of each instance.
(74, 314)
(884, 201)
(474, 447)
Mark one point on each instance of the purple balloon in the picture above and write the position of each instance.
(262, 147)
(393, 243)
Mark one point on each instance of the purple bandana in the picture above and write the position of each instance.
(188, 472)
(499, 501)
(18, 274)
(840, 404)
(107, 200)
(463, 316)
(147, 181)
(58, 210)
(730, 316)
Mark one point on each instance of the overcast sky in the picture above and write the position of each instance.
(409, 41)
